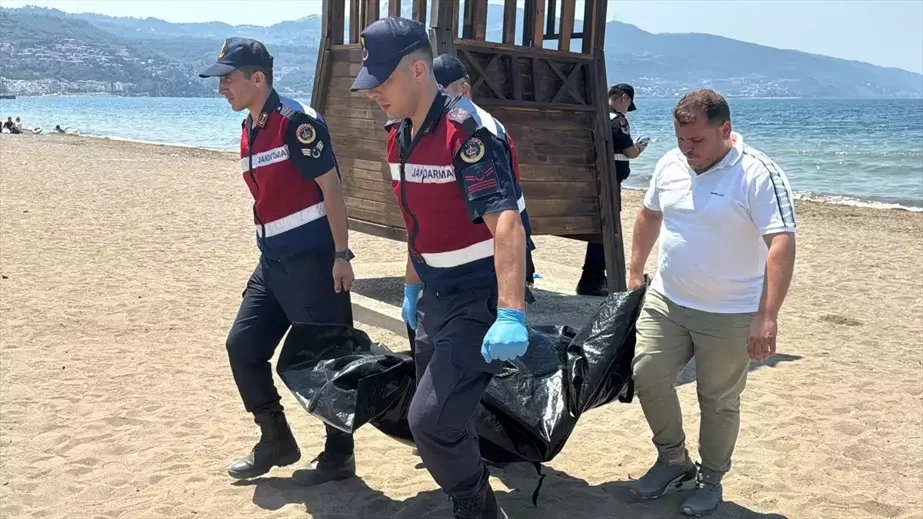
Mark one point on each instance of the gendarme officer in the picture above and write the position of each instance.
(621, 100)
(303, 274)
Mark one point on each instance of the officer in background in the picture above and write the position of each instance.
(303, 274)
(593, 281)
(453, 177)
(452, 75)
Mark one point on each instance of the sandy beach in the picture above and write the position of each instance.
(122, 267)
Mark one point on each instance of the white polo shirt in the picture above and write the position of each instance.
(712, 252)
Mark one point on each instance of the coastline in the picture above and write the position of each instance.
(844, 200)
(122, 269)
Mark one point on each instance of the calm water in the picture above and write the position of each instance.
(856, 152)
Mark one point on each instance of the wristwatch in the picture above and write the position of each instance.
(344, 254)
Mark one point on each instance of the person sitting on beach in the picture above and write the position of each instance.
(726, 218)
(8, 124)
(303, 274)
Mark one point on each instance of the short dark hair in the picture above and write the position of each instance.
(249, 71)
(425, 53)
(707, 101)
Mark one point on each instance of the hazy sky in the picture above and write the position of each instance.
(888, 33)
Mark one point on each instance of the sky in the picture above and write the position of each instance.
(886, 33)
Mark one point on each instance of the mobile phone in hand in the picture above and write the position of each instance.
(643, 141)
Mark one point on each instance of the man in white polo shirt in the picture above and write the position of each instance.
(726, 221)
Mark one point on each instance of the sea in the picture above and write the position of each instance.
(854, 152)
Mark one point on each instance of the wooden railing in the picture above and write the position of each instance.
(540, 23)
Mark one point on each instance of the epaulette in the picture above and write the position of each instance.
(468, 122)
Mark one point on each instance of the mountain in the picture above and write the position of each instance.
(47, 51)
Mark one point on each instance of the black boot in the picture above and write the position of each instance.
(592, 285)
(482, 506)
(326, 467)
(276, 448)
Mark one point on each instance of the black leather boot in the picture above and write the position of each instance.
(592, 285)
(326, 467)
(482, 506)
(276, 448)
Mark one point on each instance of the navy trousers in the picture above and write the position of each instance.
(280, 292)
(451, 377)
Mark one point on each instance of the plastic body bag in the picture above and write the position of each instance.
(527, 412)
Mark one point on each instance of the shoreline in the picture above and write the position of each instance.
(828, 199)
(123, 267)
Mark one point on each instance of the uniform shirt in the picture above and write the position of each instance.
(282, 153)
(455, 171)
(621, 140)
(712, 252)
(521, 200)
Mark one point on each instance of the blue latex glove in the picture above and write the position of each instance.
(409, 306)
(507, 338)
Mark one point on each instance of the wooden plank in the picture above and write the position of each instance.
(371, 165)
(563, 225)
(387, 210)
(344, 153)
(355, 208)
(372, 12)
(568, 9)
(563, 207)
(379, 196)
(509, 22)
(504, 103)
(538, 23)
(590, 14)
(523, 52)
(343, 143)
(418, 11)
(337, 21)
(345, 69)
(371, 174)
(380, 138)
(394, 7)
(557, 189)
(376, 229)
(355, 23)
(515, 77)
(383, 189)
(479, 18)
(321, 75)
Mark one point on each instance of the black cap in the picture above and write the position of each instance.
(624, 88)
(384, 43)
(448, 69)
(236, 53)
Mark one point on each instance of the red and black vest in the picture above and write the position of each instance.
(288, 209)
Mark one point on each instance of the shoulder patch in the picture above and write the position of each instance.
(305, 133)
(459, 115)
(480, 180)
(472, 150)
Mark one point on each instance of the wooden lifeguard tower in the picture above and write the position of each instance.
(553, 102)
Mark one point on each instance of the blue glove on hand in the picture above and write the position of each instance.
(507, 338)
(409, 306)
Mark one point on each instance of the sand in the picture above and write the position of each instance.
(122, 267)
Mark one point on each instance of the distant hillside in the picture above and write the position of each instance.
(46, 50)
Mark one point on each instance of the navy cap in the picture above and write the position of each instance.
(384, 42)
(236, 53)
(448, 69)
(626, 89)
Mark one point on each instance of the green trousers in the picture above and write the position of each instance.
(669, 335)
